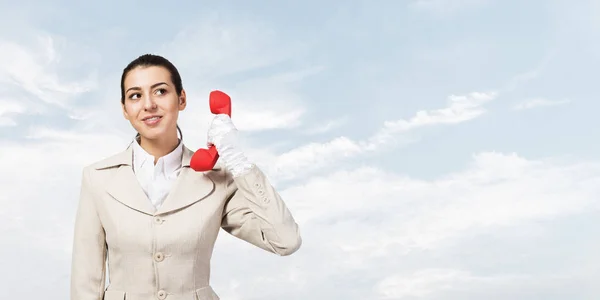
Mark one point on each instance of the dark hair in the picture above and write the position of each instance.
(149, 60)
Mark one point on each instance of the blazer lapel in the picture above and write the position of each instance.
(124, 186)
(189, 188)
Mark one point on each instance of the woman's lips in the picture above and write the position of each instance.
(152, 120)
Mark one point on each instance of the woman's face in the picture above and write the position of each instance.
(151, 102)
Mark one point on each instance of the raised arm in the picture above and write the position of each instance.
(254, 210)
(256, 213)
(89, 248)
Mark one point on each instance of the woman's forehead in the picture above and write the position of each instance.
(147, 76)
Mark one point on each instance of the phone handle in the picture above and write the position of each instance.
(205, 159)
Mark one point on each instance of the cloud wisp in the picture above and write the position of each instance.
(313, 157)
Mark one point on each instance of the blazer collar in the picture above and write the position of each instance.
(189, 187)
(125, 158)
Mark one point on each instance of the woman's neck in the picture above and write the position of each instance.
(159, 147)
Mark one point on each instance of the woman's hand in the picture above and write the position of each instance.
(223, 135)
(220, 127)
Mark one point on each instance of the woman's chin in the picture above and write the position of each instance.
(154, 133)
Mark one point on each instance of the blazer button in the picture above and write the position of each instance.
(159, 257)
(161, 294)
(158, 220)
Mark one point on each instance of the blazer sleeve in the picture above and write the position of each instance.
(88, 264)
(255, 212)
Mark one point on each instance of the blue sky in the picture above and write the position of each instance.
(430, 149)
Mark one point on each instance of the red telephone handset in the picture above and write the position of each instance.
(205, 159)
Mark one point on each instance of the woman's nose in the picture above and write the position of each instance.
(149, 103)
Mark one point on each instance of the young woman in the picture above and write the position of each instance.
(153, 218)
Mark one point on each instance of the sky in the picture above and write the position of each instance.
(428, 149)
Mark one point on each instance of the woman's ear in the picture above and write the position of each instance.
(182, 100)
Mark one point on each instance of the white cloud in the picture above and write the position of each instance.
(496, 190)
(384, 228)
(539, 102)
(424, 283)
(326, 126)
(34, 70)
(7, 109)
(315, 156)
(252, 119)
(30, 82)
(460, 109)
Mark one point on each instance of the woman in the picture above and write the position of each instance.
(153, 218)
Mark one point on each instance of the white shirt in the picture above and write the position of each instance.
(156, 180)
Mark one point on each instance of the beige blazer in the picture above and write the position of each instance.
(165, 253)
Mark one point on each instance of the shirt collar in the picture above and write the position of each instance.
(170, 163)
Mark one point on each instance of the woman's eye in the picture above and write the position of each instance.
(161, 91)
(134, 96)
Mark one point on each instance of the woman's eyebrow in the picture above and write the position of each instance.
(137, 88)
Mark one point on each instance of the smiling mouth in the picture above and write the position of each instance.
(154, 118)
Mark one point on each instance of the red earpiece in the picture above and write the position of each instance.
(205, 159)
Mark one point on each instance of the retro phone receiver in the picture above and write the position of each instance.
(205, 159)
